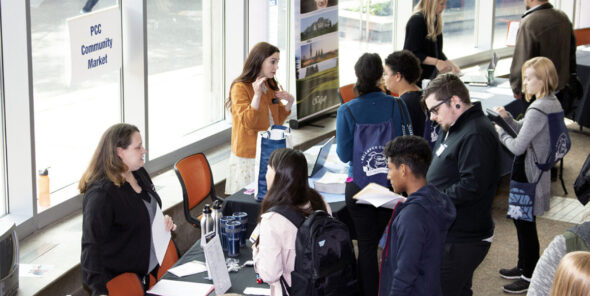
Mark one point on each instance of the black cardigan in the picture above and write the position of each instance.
(422, 47)
(116, 231)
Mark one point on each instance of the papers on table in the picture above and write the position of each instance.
(180, 288)
(506, 91)
(257, 291)
(188, 268)
(378, 196)
(331, 183)
(160, 237)
(480, 95)
(33, 270)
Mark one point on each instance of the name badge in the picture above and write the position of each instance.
(440, 149)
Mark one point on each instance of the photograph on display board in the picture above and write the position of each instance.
(319, 24)
(317, 75)
(312, 5)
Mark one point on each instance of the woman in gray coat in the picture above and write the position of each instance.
(531, 145)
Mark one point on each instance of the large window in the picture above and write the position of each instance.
(458, 31)
(506, 11)
(185, 89)
(364, 26)
(3, 199)
(69, 119)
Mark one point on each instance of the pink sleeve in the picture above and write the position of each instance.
(268, 260)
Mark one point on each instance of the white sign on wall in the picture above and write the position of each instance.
(94, 44)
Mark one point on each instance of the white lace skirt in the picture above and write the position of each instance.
(241, 173)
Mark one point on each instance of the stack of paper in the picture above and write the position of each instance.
(331, 183)
(378, 196)
(174, 288)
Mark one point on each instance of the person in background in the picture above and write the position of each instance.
(119, 206)
(573, 275)
(274, 250)
(575, 239)
(402, 70)
(424, 38)
(410, 261)
(363, 126)
(255, 104)
(532, 145)
(465, 167)
(543, 31)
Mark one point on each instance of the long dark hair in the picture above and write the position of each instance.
(368, 70)
(106, 163)
(252, 67)
(290, 186)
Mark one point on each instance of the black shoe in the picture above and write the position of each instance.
(517, 287)
(511, 274)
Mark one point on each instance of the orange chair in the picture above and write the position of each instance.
(125, 284)
(347, 93)
(582, 36)
(196, 179)
(170, 258)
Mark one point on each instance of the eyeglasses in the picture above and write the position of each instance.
(434, 109)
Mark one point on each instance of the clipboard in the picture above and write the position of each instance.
(497, 119)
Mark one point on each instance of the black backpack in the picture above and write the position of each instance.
(582, 184)
(324, 256)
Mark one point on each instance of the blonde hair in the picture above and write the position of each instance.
(545, 71)
(434, 22)
(572, 277)
(106, 163)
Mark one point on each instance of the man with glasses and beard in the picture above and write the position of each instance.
(465, 166)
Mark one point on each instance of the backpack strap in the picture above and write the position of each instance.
(293, 216)
(350, 112)
(406, 122)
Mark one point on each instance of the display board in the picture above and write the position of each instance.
(316, 59)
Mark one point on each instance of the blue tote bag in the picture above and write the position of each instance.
(276, 137)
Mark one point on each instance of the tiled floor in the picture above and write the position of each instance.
(567, 210)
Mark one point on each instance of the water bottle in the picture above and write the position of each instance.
(207, 223)
(216, 215)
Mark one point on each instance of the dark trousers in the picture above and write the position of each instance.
(528, 240)
(369, 223)
(459, 261)
(528, 246)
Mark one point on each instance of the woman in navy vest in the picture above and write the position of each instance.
(532, 145)
(363, 127)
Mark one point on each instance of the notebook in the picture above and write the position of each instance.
(315, 163)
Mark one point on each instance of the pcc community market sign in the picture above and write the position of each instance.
(94, 44)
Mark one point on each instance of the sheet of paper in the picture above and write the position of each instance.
(257, 291)
(188, 268)
(480, 95)
(512, 32)
(160, 237)
(377, 196)
(216, 265)
(180, 288)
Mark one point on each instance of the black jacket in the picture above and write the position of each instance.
(468, 170)
(116, 231)
(421, 46)
(411, 259)
(412, 100)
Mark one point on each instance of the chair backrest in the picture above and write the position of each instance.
(582, 36)
(170, 258)
(125, 284)
(196, 180)
(346, 93)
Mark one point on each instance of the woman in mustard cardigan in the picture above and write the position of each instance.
(255, 101)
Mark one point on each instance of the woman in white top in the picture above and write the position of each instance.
(274, 250)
